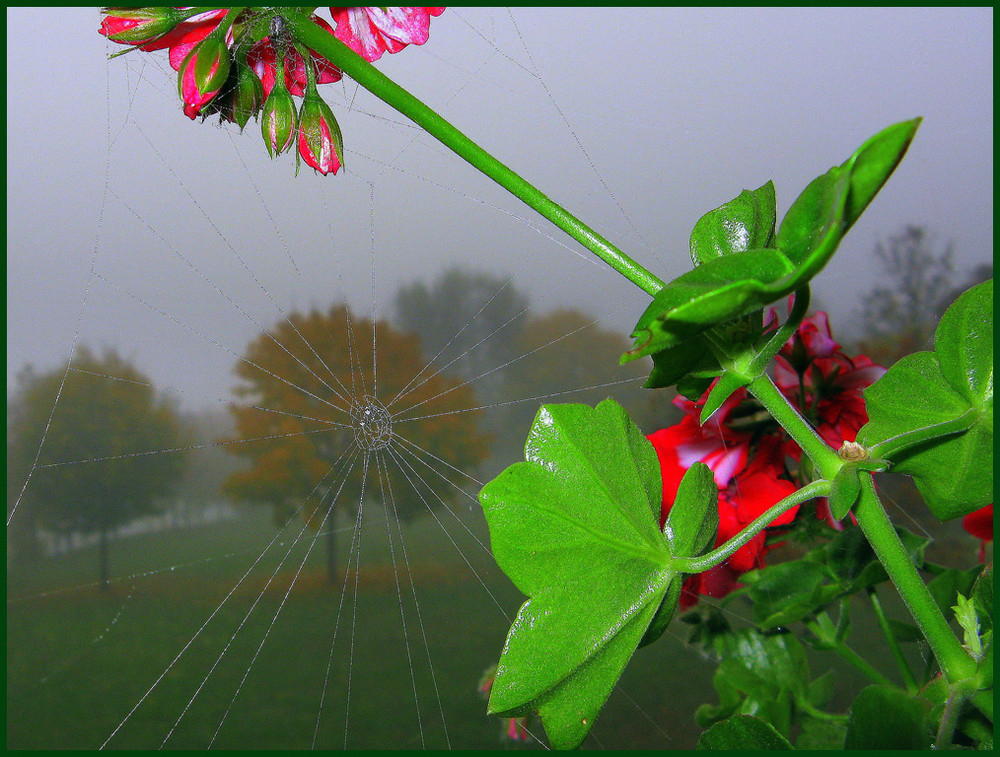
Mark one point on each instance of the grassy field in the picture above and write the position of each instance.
(401, 674)
(79, 660)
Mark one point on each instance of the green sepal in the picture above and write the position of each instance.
(932, 412)
(576, 528)
(844, 491)
(744, 223)
(729, 383)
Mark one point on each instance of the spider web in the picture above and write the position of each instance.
(221, 628)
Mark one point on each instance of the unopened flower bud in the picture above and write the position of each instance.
(320, 142)
(137, 26)
(244, 95)
(279, 120)
(202, 74)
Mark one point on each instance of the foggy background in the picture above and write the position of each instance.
(678, 110)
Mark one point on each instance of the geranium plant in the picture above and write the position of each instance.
(609, 532)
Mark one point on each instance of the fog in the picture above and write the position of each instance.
(637, 120)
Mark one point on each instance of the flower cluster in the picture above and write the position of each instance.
(228, 63)
(748, 452)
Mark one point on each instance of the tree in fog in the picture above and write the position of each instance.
(468, 323)
(321, 429)
(106, 457)
(901, 312)
(565, 356)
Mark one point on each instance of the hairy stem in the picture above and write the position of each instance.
(826, 460)
(331, 48)
(878, 529)
(754, 527)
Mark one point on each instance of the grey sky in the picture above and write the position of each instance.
(678, 110)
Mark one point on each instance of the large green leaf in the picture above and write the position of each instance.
(745, 223)
(932, 412)
(576, 527)
(963, 342)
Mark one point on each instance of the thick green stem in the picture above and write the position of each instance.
(878, 529)
(331, 48)
(954, 661)
(826, 460)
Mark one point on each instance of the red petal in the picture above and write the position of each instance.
(979, 523)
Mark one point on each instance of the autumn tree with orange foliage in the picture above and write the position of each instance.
(324, 429)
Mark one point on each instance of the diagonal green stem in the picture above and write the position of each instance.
(826, 460)
(897, 652)
(369, 77)
(754, 527)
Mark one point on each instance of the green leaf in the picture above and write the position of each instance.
(785, 592)
(693, 519)
(689, 529)
(932, 412)
(576, 528)
(829, 206)
(674, 363)
(873, 163)
(745, 223)
(821, 734)
(733, 277)
(963, 342)
(953, 469)
(719, 290)
(814, 223)
(743, 732)
(886, 718)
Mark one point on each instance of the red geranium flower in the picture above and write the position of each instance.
(371, 31)
(745, 490)
(263, 60)
(825, 383)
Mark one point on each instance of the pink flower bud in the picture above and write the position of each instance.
(202, 74)
(138, 26)
(279, 120)
(320, 143)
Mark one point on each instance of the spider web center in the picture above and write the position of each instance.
(372, 424)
